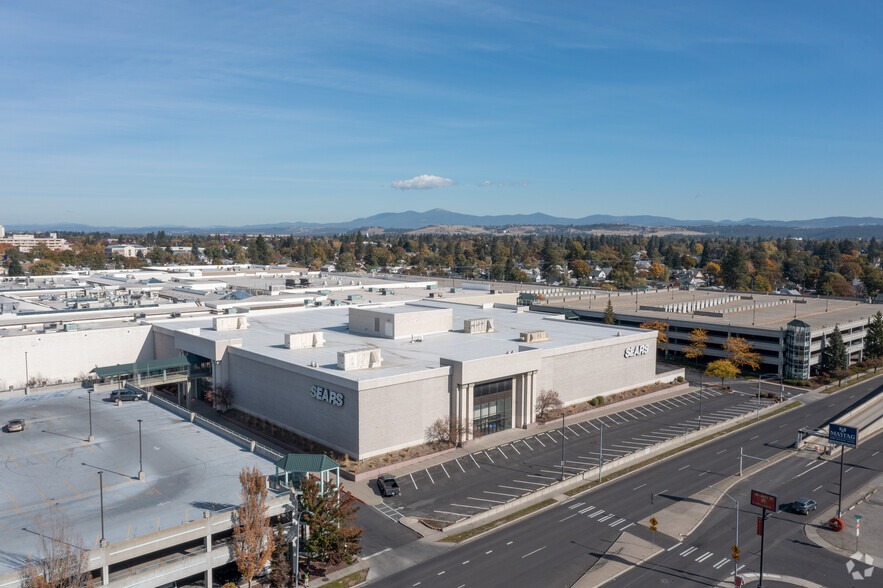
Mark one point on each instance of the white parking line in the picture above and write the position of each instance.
(540, 442)
(486, 500)
(500, 449)
(473, 459)
(412, 481)
(583, 428)
(460, 464)
(528, 446)
(551, 437)
(525, 490)
(456, 514)
(532, 483)
(471, 506)
(539, 476)
(572, 431)
(488, 456)
(514, 448)
(583, 463)
(500, 494)
(430, 475)
(445, 470)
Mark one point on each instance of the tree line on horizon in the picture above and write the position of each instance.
(842, 267)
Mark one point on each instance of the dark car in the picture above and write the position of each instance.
(15, 426)
(125, 395)
(803, 505)
(388, 486)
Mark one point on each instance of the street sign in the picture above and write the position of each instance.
(654, 522)
(734, 556)
(763, 500)
(652, 528)
(736, 550)
(843, 435)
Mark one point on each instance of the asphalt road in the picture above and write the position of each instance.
(555, 547)
(704, 559)
(464, 487)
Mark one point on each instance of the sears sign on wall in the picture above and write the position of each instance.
(636, 350)
(329, 396)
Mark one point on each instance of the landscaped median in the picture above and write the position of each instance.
(529, 503)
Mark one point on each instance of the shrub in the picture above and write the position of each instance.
(679, 379)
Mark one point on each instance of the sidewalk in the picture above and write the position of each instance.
(866, 502)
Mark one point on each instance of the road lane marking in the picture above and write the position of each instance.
(577, 505)
(688, 551)
(721, 451)
(585, 510)
(809, 470)
(565, 518)
(596, 513)
(675, 546)
(604, 518)
(721, 563)
(617, 522)
(627, 526)
(638, 487)
(755, 437)
(817, 489)
(532, 552)
(705, 556)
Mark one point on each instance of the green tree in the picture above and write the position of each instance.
(333, 538)
(834, 353)
(609, 315)
(721, 368)
(874, 338)
(259, 253)
(734, 269)
(15, 268)
(44, 267)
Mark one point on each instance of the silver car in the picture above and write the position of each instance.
(15, 426)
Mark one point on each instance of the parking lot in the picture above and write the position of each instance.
(51, 465)
(470, 484)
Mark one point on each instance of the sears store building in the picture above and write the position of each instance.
(366, 380)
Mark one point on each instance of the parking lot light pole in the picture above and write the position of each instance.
(735, 561)
(140, 454)
(759, 380)
(103, 542)
(91, 436)
(700, 400)
(601, 452)
(563, 443)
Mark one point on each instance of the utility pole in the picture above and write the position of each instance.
(700, 399)
(103, 542)
(27, 377)
(140, 454)
(91, 436)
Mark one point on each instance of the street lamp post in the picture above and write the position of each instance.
(26, 373)
(140, 454)
(736, 544)
(297, 549)
(563, 443)
(759, 380)
(103, 542)
(91, 436)
(701, 386)
(601, 452)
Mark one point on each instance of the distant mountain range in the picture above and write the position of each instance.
(437, 216)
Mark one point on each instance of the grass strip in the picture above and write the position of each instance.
(494, 524)
(858, 380)
(670, 452)
(348, 580)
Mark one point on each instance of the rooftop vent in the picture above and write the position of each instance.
(358, 359)
(230, 323)
(304, 340)
(479, 325)
(534, 336)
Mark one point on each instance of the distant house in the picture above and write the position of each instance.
(689, 277)
(642, 265)
(600, 274)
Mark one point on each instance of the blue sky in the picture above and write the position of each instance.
(202, 113)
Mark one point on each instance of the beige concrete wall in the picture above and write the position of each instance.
(396, 415)
(580, 374)
(282, 396)
(71, 354)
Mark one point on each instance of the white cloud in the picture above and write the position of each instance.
(423, 182)
(485, 183)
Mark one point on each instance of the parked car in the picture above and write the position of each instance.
(15, 425)
(125, 395)
(388, 486)
(803, 505)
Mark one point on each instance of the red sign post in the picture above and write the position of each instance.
(766, 502)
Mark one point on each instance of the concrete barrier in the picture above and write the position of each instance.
(609, 468)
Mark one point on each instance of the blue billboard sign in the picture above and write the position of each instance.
(843, 435)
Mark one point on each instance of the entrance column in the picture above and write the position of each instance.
(513, 411)
(530, 398)
(467, 418)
